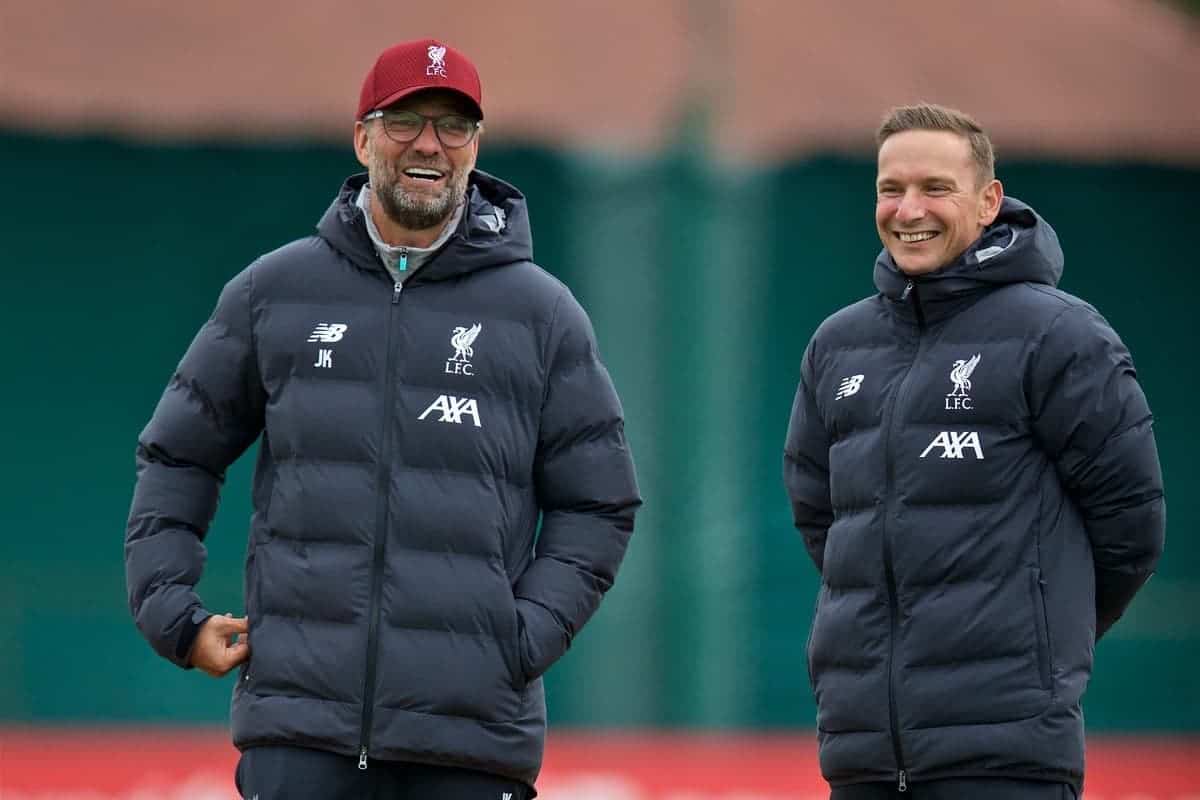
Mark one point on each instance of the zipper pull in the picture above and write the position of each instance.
(907, 291)
(903, 787)
(402, 265)
(396, 292)
(362, 759)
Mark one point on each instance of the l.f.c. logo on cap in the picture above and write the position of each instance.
(437, 61)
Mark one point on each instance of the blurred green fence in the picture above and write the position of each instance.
(704, 283)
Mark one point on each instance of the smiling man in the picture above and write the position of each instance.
(971, 464)
(425, 399)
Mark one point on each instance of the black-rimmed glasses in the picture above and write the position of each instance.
(402, 127)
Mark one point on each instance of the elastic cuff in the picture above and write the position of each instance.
(187, 635)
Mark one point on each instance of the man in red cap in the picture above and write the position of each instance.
(425, 399)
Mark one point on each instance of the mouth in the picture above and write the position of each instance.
(915, 237)
(424, 175)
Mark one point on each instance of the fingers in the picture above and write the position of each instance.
(228, 624)
(235, 655)
(222, 644)
(219, 661)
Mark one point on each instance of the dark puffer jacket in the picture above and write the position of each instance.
(971, 463)
(412, 438)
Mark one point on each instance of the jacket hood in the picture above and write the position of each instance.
(1018, 247)
(494, 229)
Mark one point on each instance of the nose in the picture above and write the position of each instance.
(911, 208)
(427, 142)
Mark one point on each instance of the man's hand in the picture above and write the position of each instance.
(218, 647)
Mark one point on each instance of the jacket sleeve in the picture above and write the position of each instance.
(806, 466)
(587, 491)
(1091, 417)
(210, 412)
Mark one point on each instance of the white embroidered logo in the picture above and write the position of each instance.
(496, 221)
(461, 340)
(506, 796)
(953, 443)
(849, 386)
(437, 61)
(453, 408)
(328, 332)
(959, 399)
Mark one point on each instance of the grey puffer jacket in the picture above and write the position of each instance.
(411, 440)
(971, 463)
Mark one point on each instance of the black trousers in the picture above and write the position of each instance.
(297, 773)
(959, 789)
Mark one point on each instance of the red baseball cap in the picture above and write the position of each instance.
(413, 66)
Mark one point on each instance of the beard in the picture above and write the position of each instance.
(411, 210)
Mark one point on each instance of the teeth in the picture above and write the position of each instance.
(423, 173)
(916, 237)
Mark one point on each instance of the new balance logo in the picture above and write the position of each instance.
(953, 443)
(506, 796)
(328, 332)
(849, 386)
(453, 409)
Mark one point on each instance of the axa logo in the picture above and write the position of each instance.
(461, 340)
(849, 386)
(959, 398)
(328, 332)
(954, 443)
(453, 409)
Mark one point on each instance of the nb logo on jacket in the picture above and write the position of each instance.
(328, 332)
(849, 386)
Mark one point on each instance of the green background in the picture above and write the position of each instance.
(704, 282)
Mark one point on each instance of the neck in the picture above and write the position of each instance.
(396, 234)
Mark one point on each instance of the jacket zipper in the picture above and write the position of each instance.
(911, 289)
(383, 482)
(889, 572)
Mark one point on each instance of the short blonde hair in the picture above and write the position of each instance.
(932, 117)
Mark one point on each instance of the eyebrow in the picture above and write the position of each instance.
(889, 181)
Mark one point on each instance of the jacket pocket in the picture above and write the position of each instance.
(510, 645)
(1039, 619)
(251, 602)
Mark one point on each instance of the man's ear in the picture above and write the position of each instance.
(474, 145)
(362, 143)
(993, 196)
